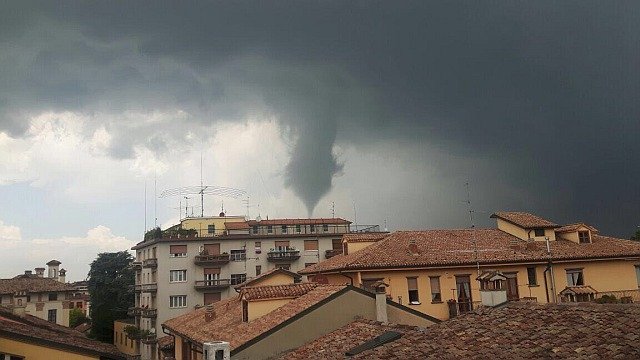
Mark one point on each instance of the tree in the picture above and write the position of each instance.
(636, 237)
(111, 279)
(77, 317)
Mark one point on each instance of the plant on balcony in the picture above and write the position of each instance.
(607, 299)
(134, 332)
(204, 252)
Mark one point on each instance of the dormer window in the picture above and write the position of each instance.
(583, 237)
(538, 232)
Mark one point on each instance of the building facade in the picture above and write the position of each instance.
(200, 261)
(46, 297)
(436, 271)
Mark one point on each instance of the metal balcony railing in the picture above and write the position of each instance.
(212, 259)
(134, 311)
(149, 288)
(215, 284)
(150, 263)
(149, 313)
(283, 255)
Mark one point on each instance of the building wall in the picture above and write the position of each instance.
(201, 225)
(121, 340)
(573, 235)
(523, 233)
(609, 275)
(39, 305)
(274, 279)
(32, 351)
(259, 308)
(328, 317)
(356, 246)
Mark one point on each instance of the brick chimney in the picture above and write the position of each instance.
(209, 313)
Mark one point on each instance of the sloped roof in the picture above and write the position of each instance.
(228, 325)
(513, 331)
(574, 227)
(456, 247)
(268, 274)
(32, 284)
(364, 237)
(236, 225)
(276, 291)
(582, 289)
(318, 221)
(524, 219)
(32, 329)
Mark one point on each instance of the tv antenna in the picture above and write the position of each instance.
(203, 190)
(473, 227)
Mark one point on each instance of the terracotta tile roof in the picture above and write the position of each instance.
(456, 247)
(583, 289)
(513, 331)
(276, 291)
(574, 227)
(524, 220)
(165, 342)
(33, 329)
(32, 284)
(83, 328)
(237, 225)
(364, 237)
(227, 324)
(319, 221)
(268, 274)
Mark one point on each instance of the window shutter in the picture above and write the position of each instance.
(209, 271)
(311, 244)
(412, 283)
(282, 244)
(178, 249)
(212, 249)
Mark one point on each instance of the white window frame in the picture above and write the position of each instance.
(178, 276)
(177, 301)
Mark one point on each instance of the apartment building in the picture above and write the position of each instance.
(439, 272)
(199, 262)
(46, 297)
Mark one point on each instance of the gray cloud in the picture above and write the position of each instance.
(547, 90)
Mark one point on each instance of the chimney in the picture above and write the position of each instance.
(209, 313)
(61, 275)
(40, 271)
(27, 272)
(216, 350)
(381, 302)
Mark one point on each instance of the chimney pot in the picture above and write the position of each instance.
(209, 313)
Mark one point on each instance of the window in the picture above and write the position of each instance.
(255, 229)
(637, 275)
(238, 278)
(336, 244)
(325, 227)
(212, 276)
(284, 229)
(269, 229)
(298, 229)
(412, 284)
(538, 232)
(211, 229)
(177, 301)
(53, 296)
(52, 315)
(177, 276)
(177, 250)
(211, 249)
(436, 295)
(583, 237)
(258, 270)
(312, 228)
(258, 247)
(575, 277)
(283, 266)
(282, 245)
(311, 245)
(238, 255)
(532, 276)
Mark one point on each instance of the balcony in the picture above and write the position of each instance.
(149, 288)
(149, 313)
(211, 259)
(150, 263)
(217, 284)
(137, 287)
(283, 255)
(134, 311)
(149, 339)
(136, 265)
(331, 253)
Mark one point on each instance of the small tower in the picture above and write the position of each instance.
(61, 275)
(53, 266)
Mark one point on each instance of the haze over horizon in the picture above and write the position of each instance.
(386, 109)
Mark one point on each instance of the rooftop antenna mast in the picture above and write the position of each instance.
(473, 227)
(201, 187)
(333, 209)
(203, 190)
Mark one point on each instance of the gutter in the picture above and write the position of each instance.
(347, 276)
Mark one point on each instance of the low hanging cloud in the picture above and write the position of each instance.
(544, 90)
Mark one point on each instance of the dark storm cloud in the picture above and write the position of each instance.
(548, 89)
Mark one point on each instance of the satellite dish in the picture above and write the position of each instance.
(258, 218)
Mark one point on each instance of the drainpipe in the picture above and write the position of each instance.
(347, 276)
(546, 287)
(550, 267)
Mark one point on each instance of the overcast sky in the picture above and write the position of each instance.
(385, 109)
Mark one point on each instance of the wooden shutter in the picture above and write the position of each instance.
(210, 298)
(336, 244)
(208, 271)
(212, 249)
(178, 249)
(282, 244)
(412, 283)
(311, 244)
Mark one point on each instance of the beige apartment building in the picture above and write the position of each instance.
(46, 297)
(199, 262)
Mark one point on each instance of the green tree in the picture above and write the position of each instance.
(77, 317)
(636, 236)
(110, 287)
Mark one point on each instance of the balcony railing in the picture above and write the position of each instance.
(150, 263)
(149, 288)
(283, 255)
(134, 311)
(137, 287)
(216, 284)
(211, 259)
(149, 313)
(136, 265)
(149, 339)
(331, 253)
